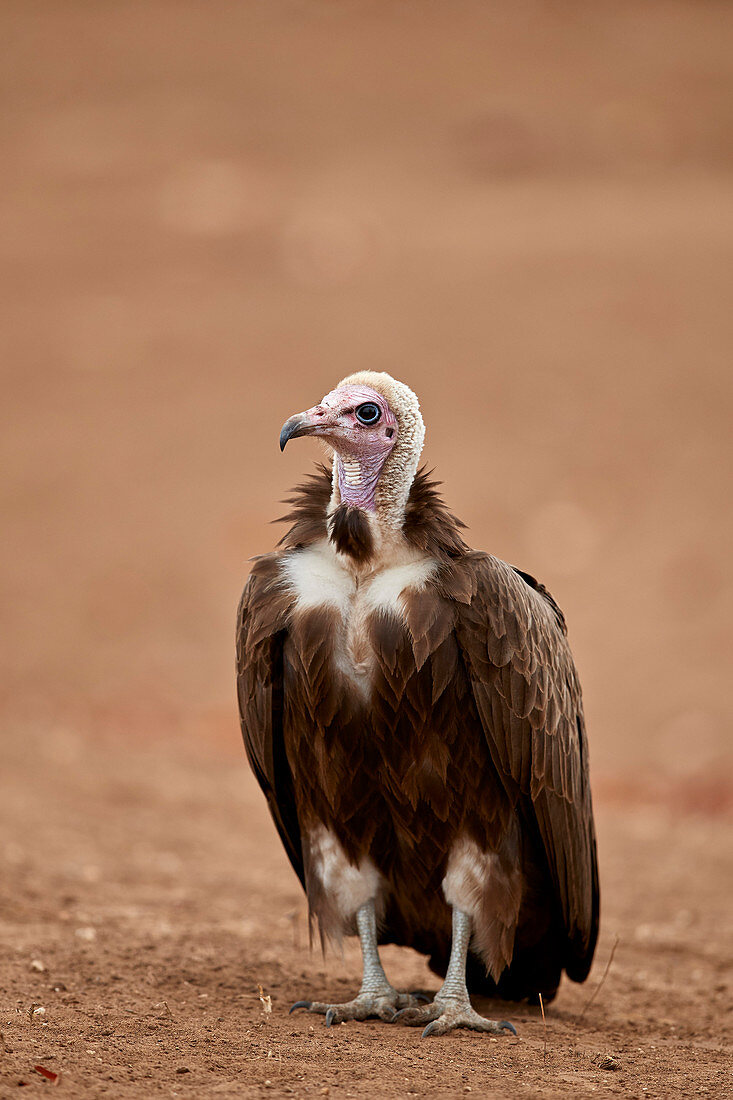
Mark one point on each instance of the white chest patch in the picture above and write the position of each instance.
(383, 591)
(318, 578)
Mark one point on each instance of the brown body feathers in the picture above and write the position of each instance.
(471, 727)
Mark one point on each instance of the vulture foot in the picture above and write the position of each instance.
(376, 996)
(445, 1014)
(383, 1004)
(451, 1007)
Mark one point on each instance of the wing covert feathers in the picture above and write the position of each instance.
(529, 701)
(261, 624)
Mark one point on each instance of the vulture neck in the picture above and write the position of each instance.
(356, 481)
(427, 528)
(366, 513)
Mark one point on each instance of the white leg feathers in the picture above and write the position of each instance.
(487, 887)
(337, 888)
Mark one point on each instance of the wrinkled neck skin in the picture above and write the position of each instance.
(357, 480)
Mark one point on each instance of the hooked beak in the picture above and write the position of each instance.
(316, 421)
(292, 428)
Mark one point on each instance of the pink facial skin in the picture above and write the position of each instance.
(361, 449)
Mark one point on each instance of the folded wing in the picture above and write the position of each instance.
(512, 635)
(261, 626)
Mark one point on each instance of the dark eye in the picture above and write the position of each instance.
(368, 413)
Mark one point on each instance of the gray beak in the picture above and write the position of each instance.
(295, 426)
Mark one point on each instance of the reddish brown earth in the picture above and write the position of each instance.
(147, 883)
(210, 213)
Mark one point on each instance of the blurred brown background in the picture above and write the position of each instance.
(211, 212)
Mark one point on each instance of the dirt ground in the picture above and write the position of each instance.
(210, 213)
(146, 904)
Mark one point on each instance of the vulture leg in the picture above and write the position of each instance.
(376, 996)
(451, 1007)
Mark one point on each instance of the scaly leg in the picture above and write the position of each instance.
(376, 996)
(451, 1007)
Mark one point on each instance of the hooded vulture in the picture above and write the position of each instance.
(412, 713)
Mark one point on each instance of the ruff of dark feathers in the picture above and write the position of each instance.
(428, 525)
(350, 532)
(307, 517)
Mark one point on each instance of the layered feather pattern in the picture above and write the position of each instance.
(470, 726)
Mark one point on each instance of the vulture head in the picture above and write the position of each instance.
(372, 423)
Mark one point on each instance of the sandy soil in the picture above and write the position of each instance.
(211, 212)
(146, 901)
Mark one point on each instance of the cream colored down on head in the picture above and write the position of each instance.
(400, 467)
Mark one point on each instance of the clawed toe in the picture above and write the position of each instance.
(418, 1015)
(440, 1017)
(382, 1005)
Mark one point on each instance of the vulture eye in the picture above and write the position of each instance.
(368, 413)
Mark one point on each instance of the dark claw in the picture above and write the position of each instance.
(424, 997)
(430, 1029)
(300, 1004)
(330, 1017)
(401, 1012)
(507, 1026)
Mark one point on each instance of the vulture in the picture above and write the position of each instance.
(411, 710)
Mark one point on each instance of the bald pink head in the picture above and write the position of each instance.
(357, 422)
